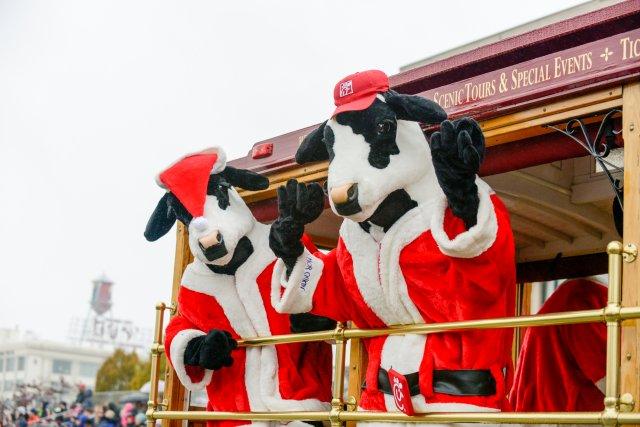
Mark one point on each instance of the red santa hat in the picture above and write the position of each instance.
(188, 178)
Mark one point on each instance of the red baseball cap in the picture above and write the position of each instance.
(357, 91)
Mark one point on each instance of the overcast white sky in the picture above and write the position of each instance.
(97, 96)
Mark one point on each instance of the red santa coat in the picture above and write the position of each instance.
(272, 378)
(427, 268)
(562, 368)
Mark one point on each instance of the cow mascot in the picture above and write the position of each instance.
(225, 295)
(424, 240)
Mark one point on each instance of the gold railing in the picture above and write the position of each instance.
(617, 408)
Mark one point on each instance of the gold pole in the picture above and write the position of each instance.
(156, 350)
(337, 401)
(241, 416)
(437, 418)
(612, 316)
(563, 318)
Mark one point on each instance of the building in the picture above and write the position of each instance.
(25, 359)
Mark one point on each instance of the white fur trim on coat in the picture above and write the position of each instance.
(299, 289)
(177, 349)
(478, 238)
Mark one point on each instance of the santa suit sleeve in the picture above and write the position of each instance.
(485, 250)
(178, 334)
(315, 283)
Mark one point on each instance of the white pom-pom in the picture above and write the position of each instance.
(200, 223)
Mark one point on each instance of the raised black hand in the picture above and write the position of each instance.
(457, 151)
(211, 351)
(298, 204)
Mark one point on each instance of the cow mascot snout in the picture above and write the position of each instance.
(225, 295)
(424, 240)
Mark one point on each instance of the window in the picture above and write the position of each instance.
(88, 369)
(11, 364)
(61, 366)
(8, 386)
(21, 363)
(1, 363)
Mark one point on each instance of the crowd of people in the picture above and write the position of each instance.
(81, 413)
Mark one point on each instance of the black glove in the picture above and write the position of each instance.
(457, 151)
(298, 205)
(211, 351)
(307, 322)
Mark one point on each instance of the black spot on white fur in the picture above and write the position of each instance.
(377, 124)
(394, 206)
(315, 146)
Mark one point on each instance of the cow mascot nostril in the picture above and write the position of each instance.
(225, 295)
(429, 242)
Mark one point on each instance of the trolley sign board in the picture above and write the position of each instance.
(607, 59)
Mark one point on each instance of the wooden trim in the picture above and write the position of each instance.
(521, 129)
(175, 393)
(358, 361)
(308, 173)
(629, 367)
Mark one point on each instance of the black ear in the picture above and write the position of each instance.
(162, 219)
(313, 148)
(415, 108)
(245, 179)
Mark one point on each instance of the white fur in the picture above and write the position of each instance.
(222, 287)
(350, 165)
(299, 289)
(200, 223)
(478, 238)
(233, 223)
(247, 274)
(178, 347)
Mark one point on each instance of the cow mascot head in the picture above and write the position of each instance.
(201, 195)
(380, 164)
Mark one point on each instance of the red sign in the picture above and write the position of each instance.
(401, 392)
(617, 55)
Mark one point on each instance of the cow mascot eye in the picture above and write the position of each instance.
(385, 127)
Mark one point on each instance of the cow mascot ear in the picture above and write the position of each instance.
(313, 148)
(245, 179)
(161, 220)
(168, 210)
(415, 108)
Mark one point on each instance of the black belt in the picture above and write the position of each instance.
(464, 382)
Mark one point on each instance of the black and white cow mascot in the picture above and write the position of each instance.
(225, 295)
(424, 240)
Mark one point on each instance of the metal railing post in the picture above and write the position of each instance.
(157, 349)
(337, 401)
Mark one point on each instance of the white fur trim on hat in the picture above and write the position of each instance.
(221, 162)
(218, 166)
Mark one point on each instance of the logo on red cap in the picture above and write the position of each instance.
(358, 91)
(346, 88)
